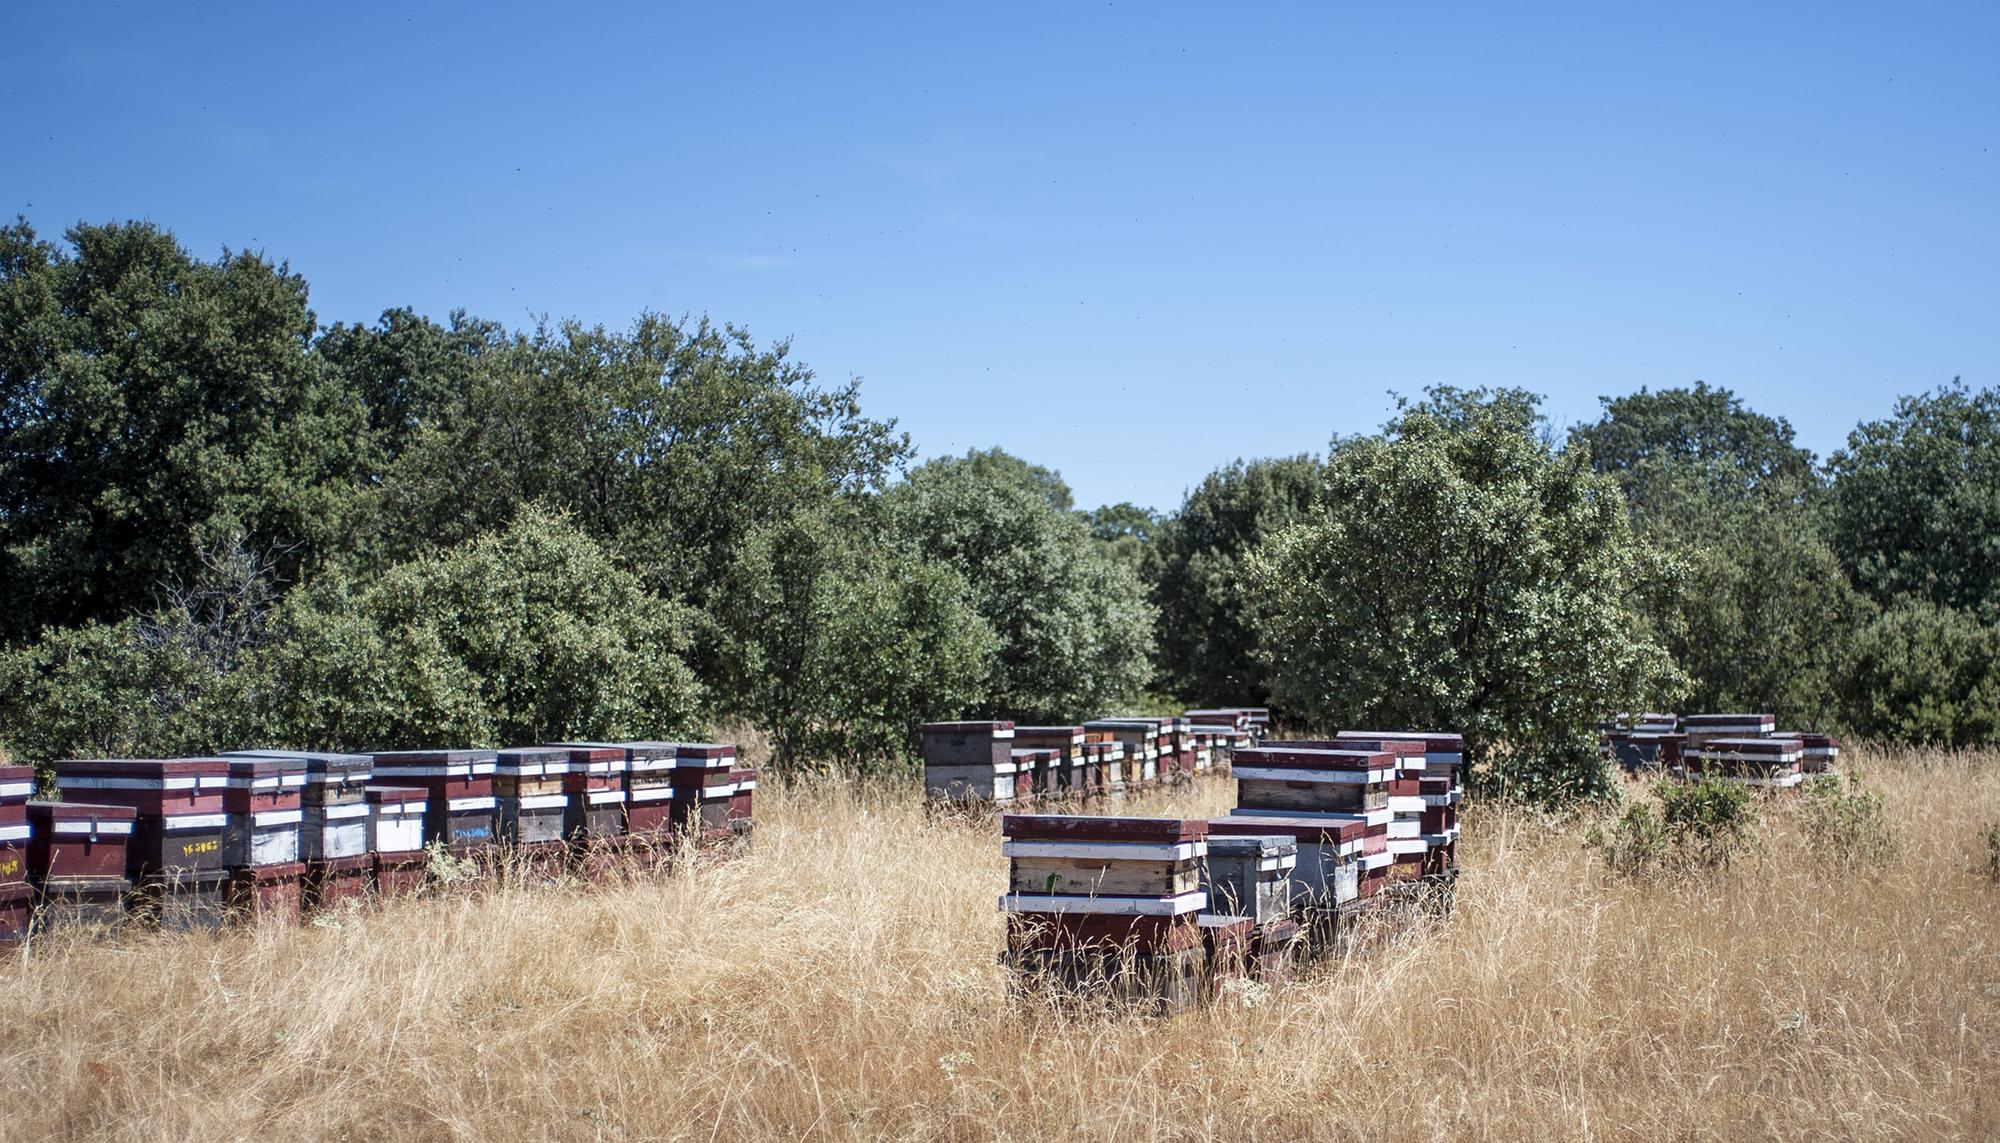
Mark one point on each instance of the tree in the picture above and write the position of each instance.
(1925, 674)
(1208, 645)
(839, 648)
(1668, 434)
(1073, 628)
(1126, 532)
(152, 405)
(1916, 501)
(533, 634)
(1461, 573)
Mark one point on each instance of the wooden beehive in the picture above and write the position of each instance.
(1065, 777)
(1251, 875)
(1288, 780)
(531, 807)
(968, 761)
(458, 784)
(77, 860)
(1086, 880)
(1765, 763)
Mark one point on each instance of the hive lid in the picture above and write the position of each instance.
(320, 765)
(1251, 845)
(1313, 759)
(391, 794)
(1308, 829)
(991, 726)
(1066, 827)
(80, 811)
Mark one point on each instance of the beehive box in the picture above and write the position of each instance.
(176, 855)
(77, 859)
(595, 787)
(17, 784)
(1107, 766)
(1065, 777)
(263, 801)
(1701, 728)
(1766, 763)
(531, 805)
(703, 789)
(649, 790)
(1328, 857)
(458, 784)
(1820, 753)
(968, 761)
(1292, 780)
(400, 861)
(1141, 741)
(1088, 881)
(1251, 875)
(274, 892)
(332, 779)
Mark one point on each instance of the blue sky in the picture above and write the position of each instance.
(1130, 241)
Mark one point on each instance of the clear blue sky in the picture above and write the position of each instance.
(1131, 241)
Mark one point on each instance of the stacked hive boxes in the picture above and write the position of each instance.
(1766, 763)
(1441, 787)
(175, 854)
(1335, 799)
(704, 787)
(1140, 740)
(17, 785)
(78, 853)
(400, 860)
(649, 793)
(1108, 906)
(266, 812)
(1107, 760)
(337, 829)
(1067, 776)
(458, 788)
(972, 763)
(531, 808)
(594, 819)
(1249, 878)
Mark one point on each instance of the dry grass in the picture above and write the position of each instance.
(840, 982)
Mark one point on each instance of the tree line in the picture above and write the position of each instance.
(222, 522)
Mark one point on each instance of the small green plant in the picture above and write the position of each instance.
(1845, 823)
(447, 868)
(1635, 845)
(1700, 825)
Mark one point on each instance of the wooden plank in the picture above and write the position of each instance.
(1071, 877)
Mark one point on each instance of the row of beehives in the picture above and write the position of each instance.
(1332, 842)
(1742, 749)
(193, 842)
(1000, 763)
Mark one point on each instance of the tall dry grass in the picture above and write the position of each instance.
(841, 982)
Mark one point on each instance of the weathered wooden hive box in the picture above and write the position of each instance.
(1066, 777)
(703, 789)
(17, 906)
(1327, 854)
(458, 785)
(78, 854)
(1141, 740)
(531, 806)
(265, 804)
(1108, 907)
(1702, 728)
(649, 790)
(1251, 875)
(336, 828)
(1820, 752)
(1292, 779)
(595, 789)
(400, 860)
(176, 857)
(969, 762)
(1766, 763)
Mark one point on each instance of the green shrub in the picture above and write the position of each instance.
(1844, 823)
(1927, 674)
(1700, 826)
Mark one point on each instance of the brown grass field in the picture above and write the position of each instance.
(840, 982)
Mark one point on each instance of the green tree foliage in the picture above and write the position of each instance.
(1916, 501)
(1743, 589)
(532, 634)
(839, 652)
(1073, 626)
(1462, 573)
(1667, 436)
(1923, 673)
(152, 405)
(1208, 645)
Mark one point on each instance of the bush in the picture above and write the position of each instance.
(1700, 826)
(1845, 824)
(1922, 673)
